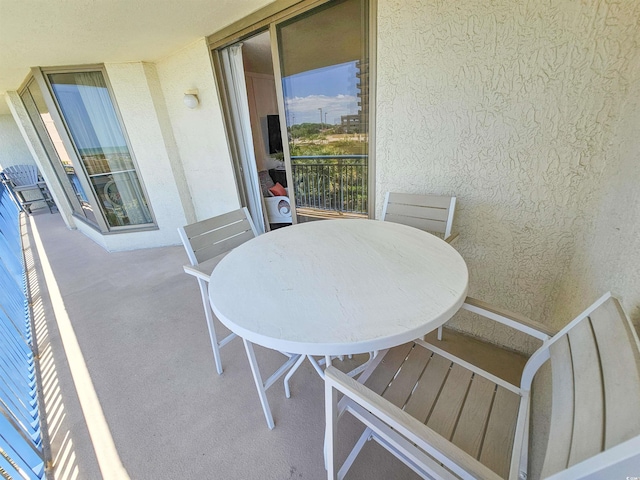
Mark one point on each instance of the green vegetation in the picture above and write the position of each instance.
(306, 130)
(329, 183)
(319, 139)
(342, 147)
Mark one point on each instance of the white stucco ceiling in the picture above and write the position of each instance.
(74, 32)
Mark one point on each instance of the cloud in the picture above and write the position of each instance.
(305, 109)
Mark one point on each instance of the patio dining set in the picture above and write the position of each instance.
(322, 290)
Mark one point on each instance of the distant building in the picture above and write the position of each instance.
(363, 95)
(359, 123)
(350, 123)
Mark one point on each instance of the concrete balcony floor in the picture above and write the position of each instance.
(129, 383)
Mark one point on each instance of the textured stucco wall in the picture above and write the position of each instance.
(199, 133)
(13, 149)
(514, 107)
(136, 98)
(529, 113)
(608, 251)
(607, 255)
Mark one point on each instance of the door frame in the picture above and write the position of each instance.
(277, 75)
(268, 18)
(245, 166)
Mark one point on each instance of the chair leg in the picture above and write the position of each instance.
(364, 438)
(257, 378)
(439, 333)
(330, 400)
(212, 332)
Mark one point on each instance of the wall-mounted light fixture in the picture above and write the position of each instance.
(191, 98)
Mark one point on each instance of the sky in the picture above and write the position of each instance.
(331, 88)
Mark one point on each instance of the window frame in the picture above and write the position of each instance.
(48, 146)
(267, 19)
(40, 75)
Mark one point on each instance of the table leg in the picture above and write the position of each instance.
(317, 365)
(364, 366)
(257, 378)
(287, 389)
(262, 386)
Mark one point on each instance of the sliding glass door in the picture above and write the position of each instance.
(324, 69)
(319, 60)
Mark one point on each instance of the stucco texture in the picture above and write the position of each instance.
(13, 149)
(199, 133)
(136, 97)
(607, 254)
(519, 108)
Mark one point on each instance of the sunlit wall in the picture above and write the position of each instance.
(521, 110)
(13, 149)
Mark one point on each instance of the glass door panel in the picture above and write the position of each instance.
(58, 156)
(325, 82)
(90, 116)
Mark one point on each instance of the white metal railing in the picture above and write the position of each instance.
(331, 182)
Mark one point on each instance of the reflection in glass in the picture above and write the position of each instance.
(325, 80)
(40, 117)
(88, 111)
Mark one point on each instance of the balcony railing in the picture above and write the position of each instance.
(21, 449)
(331, 182)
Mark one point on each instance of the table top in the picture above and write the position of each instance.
(338, 287)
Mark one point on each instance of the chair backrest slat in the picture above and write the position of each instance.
(421, 223)
(588, 406)
(214, 236)
(223, 246)
(21, 175)
(219, 234)
(438, 201)
(213, 223)
(417, 211)
(433, 213)
(561, 428)
(620, 364)
(596, 387)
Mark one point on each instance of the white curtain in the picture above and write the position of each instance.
(96, 100)
(234, 72)
(89, 112)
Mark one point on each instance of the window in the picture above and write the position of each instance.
(59, 158)
(88, 111)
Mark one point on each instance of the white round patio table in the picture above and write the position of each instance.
(336, 287)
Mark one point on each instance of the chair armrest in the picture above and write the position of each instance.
(197, 272)
(452, 237)
(25, 188)
(511, 319)
(416, 432)
(203, 269)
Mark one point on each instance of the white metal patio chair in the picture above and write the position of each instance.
(432, 213)
(206, 243)
(28, 186)
(446, 418)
